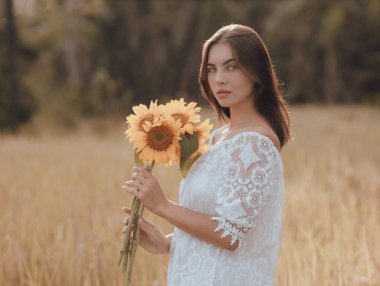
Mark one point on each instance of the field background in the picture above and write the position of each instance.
(61, 199)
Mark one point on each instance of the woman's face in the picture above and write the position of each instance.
(229, 84)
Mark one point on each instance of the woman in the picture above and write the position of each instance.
(228, 220)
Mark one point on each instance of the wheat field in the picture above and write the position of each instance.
(61, 199)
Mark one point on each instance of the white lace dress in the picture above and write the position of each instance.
(240, 183)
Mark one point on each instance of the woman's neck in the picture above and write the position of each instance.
(243, 116)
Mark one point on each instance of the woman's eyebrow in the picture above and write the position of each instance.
(226, 62)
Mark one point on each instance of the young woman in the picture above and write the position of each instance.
(228, 220)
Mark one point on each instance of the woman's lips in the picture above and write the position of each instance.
(223, 94)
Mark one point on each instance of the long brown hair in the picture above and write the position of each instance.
(253, 56)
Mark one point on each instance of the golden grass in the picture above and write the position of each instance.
(61, 199)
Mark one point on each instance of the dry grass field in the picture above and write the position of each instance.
(61, 199)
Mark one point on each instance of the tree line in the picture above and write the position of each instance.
(70, 59)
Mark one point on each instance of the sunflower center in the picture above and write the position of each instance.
(148, 117)
(160, 137)
(182, 117)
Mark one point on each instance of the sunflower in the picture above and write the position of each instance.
(143, 115)
(203, 132)
(158, 142)
(187, 114)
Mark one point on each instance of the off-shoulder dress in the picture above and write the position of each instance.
(239, 182)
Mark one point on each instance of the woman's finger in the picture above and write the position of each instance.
(139, 178)
(132, 185)
(146, 173)
(147, 222)
(134, 175)
(141, 170)
(143, 225)
(126, 210)
(132, 191)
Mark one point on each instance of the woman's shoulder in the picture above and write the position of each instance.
(269, 134)
(266, 132)
(260, 131)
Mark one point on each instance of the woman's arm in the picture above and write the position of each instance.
(194, 223)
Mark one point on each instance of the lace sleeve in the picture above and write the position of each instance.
(248, 182)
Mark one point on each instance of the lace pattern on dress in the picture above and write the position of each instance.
(235, 231)
(248, 180)
(208, 189)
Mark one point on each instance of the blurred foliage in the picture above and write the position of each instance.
(16, 104)
(91, 58)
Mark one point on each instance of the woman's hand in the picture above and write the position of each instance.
(151, 239)
(147, 189)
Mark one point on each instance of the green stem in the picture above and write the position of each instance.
(136, 233)
(133, 221)
(129, 248)
(136, 236)
(127, 234)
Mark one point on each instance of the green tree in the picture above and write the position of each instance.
(14, 106)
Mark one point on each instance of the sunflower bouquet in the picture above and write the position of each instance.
(161, 134)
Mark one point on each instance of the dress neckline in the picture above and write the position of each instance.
(247, 132)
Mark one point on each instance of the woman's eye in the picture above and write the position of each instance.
(232, 67)
(210, 69)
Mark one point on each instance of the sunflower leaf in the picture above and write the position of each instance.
(189, 145)
(187, 165)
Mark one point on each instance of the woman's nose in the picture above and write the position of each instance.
(219, 77)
